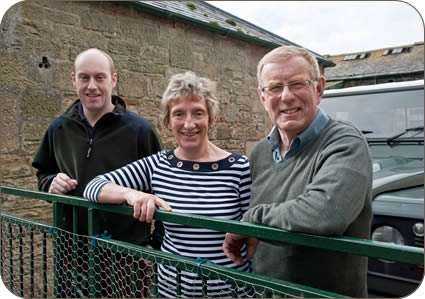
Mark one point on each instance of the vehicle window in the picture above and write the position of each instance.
(382, 114)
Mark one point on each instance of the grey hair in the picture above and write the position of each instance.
(286, 52)
(189, 85)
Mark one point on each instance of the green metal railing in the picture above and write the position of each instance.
(410, 255)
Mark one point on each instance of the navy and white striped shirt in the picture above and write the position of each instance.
(217, 189)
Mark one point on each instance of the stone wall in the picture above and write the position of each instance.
(40, 39)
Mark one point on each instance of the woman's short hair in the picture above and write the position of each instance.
(189, 85)
(285, 52)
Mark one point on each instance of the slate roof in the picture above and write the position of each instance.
(202, 14)
(377, 64)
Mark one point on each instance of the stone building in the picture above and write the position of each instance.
(395, 64)
(149, 41)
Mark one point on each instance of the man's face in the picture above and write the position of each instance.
(295, 107)
(93, 80)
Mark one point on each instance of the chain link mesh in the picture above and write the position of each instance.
(41, 261)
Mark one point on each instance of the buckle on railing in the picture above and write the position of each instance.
(104, 236)
(199, 262)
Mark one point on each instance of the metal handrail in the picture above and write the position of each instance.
(362, 247)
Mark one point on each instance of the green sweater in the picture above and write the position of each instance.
(324, 189)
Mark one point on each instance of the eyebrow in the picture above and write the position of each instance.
(86, 74)
(278, 82)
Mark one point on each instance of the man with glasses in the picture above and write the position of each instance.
(311, 174)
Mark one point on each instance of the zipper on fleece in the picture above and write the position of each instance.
(90, 148)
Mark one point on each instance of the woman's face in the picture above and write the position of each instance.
(189, 122)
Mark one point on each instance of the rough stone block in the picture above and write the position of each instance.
(10, 119)
(29, 147)
(14, 68)
(222, 131)
(49, 14)
(61, 73)
(126, 47)
(39, 103)
(53, 50)
(229, 114)
(99, 22)
(179, 57)
(150, 108)
(33, 128)
(131, 84)
(251, 132)
(155, 54)
(201, 39)
(148, 67)
(139, 32)
(156, 85)
(257, 104)
(14, 166)
(78, 37)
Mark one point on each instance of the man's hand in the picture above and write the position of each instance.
(62, 184)
(145, 204)
(233, 244)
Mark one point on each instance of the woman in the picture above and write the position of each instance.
(196, 178)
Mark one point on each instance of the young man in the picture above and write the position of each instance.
(312, 174)
(95, 135)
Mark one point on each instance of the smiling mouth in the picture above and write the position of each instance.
(189, 134)
(290, 111)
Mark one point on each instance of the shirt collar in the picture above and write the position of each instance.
(314, 129)
(311, 132)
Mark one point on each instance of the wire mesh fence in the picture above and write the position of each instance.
(39, 260)
(26, 258)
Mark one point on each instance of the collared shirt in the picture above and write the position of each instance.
(311, 132)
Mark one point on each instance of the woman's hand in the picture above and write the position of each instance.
(144, 205)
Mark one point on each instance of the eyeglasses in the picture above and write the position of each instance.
(294, 86)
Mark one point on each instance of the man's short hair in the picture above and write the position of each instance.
(285, 52)
(111, 62)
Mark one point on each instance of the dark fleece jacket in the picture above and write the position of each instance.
(118, 138)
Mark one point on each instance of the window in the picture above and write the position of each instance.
(350, 57)
(356, 56)
(397, 51)
(384, 113)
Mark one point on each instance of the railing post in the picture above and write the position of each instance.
(21, 262)
(11, 275)
(44, 263)
(75, 248)
(58, 212)
(1, 245)
(93, 230)
(31, 262)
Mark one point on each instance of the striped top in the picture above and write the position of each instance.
(217, 189)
